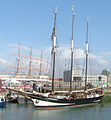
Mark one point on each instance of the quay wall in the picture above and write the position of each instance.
(107, 91)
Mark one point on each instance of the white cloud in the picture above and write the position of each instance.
(3, 61)
(79, 54)
(63, 57)
(102, 61)
(3, 65)
(106, 53)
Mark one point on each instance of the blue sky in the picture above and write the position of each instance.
(30, 22)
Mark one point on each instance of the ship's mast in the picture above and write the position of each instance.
(54, 50)
(30, 62)
(40, 72)
(72, 50)
(47, 67)
(87, 50)
(18, 59)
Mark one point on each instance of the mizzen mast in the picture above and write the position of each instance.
(72, 49)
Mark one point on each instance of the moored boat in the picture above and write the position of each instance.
(2, 96)
(2, 101)
(12, 98)
(75, 99)
(65, 99)
(62, 99)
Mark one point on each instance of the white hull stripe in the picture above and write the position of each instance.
(74, 106)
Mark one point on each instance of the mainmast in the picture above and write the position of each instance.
(87, 50)
(54, 50)
(72, 50)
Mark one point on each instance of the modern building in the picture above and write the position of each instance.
(77, 76)
(96, 80)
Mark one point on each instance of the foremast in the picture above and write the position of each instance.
(87, 50)
(72, 49)
(53, 50)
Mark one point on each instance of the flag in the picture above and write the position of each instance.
(73, 8)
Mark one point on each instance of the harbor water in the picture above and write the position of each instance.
(28, 112)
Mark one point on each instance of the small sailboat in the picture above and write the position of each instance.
(2, 96)
(67, 99)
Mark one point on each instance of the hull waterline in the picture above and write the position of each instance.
(60, 104)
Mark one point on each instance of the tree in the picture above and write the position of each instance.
(105, 72)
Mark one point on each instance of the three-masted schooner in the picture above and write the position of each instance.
(56, 100)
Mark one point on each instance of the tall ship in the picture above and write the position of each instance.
(67, 99)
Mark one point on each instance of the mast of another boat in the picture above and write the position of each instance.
(53, 50)
(87, 50)
(72, 50)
